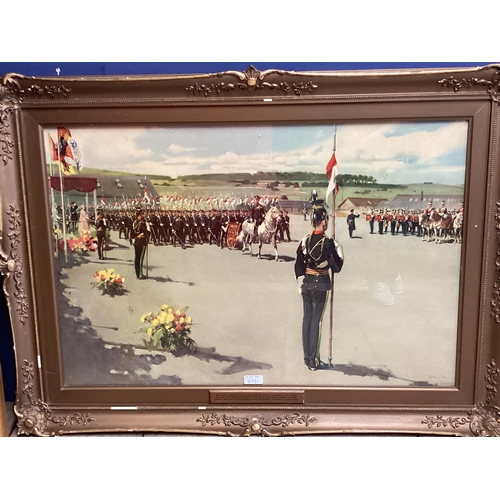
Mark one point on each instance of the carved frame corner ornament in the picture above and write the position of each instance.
(483, 419)
(256, 425)
(11, 81)
(11, 95)
(34, 418)
(252, 79)
(492, 86)
(8, 103)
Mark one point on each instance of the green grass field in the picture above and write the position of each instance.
(212, 186)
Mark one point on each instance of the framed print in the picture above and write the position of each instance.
(257, 252)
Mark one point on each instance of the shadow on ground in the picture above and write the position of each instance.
(366, 371)
(88, 360)
(238, 364)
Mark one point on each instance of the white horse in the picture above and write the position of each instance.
(266, 232)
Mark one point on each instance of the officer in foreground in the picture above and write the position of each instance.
(316, 255)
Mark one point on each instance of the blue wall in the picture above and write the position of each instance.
(123, 68)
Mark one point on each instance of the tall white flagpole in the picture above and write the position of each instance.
(330, 336)
(62, 200)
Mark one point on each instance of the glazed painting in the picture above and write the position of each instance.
(196, 307)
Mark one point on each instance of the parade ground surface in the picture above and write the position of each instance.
(395, 314)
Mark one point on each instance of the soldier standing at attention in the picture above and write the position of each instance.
(370, 219)
(100, 225)
(179, 230)
(214, 229)
(286, 226)
(204, 221)
(392, 221)
(316, 255)
(380, 220)
(140, 235)
(224, 225)
(73, 216)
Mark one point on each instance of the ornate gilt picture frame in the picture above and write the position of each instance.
(188, 333)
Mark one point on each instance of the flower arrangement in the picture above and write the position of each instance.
(170, 330)
(108, 281)
(80, 248)
(89, 241)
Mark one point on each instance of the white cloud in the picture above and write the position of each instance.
(176, 148)
(361, 148)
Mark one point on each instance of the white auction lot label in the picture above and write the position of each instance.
(253, 379)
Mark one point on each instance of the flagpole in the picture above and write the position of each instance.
(52, 196)
(330, 332)
(62, 200)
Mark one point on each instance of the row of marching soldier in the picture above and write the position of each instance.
(411, 222)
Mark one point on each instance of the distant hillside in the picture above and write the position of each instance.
(307, 180)
(89, 172)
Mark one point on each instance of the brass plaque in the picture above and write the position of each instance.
(257, 397)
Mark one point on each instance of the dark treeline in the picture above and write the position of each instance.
(355, 180)
(343, 179)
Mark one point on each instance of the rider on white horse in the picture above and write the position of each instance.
(257, 213)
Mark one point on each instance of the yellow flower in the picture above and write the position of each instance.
(170, 318)
(155, 322)
(169, 310)
(182, 320)
(189, 320)
(143, 318)
(111, 271)
(150, 332)
(164, 307)
(162, 319)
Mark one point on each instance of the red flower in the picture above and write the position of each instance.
(96, 274)
(183, 315)
(102, 277)
(118, 280)
(179, 328)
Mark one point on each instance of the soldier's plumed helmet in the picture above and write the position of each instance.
(318, 212)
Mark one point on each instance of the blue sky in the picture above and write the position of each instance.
(390, 152)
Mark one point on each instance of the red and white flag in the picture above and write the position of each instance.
(332, 170)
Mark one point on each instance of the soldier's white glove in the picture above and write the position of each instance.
(300, 281)
(339, 249)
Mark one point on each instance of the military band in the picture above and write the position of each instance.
(408, 222)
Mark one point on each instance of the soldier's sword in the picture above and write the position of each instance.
(180, 241)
